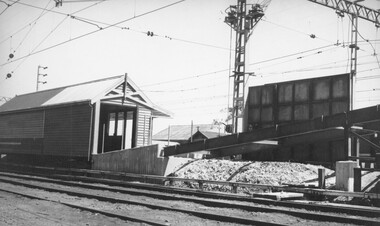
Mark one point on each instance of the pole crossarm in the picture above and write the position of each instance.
(352, 8)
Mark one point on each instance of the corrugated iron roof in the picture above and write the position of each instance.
(89, 91)
(28, 101)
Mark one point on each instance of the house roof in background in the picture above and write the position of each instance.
(209, 134)
(183, 132)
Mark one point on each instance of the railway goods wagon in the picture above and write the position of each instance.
(78, 121)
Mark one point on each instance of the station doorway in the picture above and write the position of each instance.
(117, 128)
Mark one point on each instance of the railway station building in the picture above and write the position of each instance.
(78, 121)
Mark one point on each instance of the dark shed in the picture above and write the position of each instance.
(78, 120)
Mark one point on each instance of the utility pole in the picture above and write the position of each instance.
(38, 76)
(242, 20)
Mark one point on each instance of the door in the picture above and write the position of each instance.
(118, 131)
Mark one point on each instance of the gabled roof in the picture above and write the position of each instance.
(183, 132)
(93, 91)
(208, 134)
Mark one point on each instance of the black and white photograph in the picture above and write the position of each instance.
(189, 112)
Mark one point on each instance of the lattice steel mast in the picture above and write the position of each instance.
(355, 11)
(242, 21)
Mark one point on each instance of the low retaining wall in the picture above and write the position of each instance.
(141, 160)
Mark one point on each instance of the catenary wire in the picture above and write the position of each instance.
(44, 11)
(93, 32)
(55, 28)
(96, 23)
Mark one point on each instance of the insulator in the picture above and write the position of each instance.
(340, 13)
(9, 75)
(313, 36)
(11, 55)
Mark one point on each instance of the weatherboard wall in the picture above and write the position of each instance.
(22, 132)
(67, 130)
(54, 131)
(143, 130)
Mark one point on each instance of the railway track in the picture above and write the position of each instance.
(201, 208)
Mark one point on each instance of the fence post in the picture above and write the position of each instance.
(357, 179)
(377, 161)
(321, 178)
(234, 188)
(200, 185)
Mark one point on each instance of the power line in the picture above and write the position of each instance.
(186, 78)
(31, 28)
(182, 90)
(298, 58)
(95, 23)
(369, 77)
(60, 23)
(93, 32)
(368, 90)
(313, 69)
(297, 31)
(224, 70)
(193, 100)
(8, 5)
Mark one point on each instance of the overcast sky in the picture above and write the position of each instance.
(184, 66)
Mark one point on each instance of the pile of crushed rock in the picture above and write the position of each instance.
(269, 173)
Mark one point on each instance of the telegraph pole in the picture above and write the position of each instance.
(242, 20)
(38, 76)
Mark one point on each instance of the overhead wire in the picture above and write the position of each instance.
(197, 88)
(96, 23)
(21, 29)
(299, 58)
(295, 30)
(312, 69)
(54, 29)
(368, 90)
(8, 5)
(227, 69)
(95, 31)
(30, 28)
(373, 48)
(186, 78)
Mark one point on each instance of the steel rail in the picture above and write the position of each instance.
(203, 215)
(106, 213)
(213, 195)
(144, 178)
(220, 204)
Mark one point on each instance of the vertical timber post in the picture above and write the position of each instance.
(96, 128)
(357, 179)
(321, 178)
(377, 161)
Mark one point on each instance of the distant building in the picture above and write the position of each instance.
(78, 121)
(182, 133)
(201, 135)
